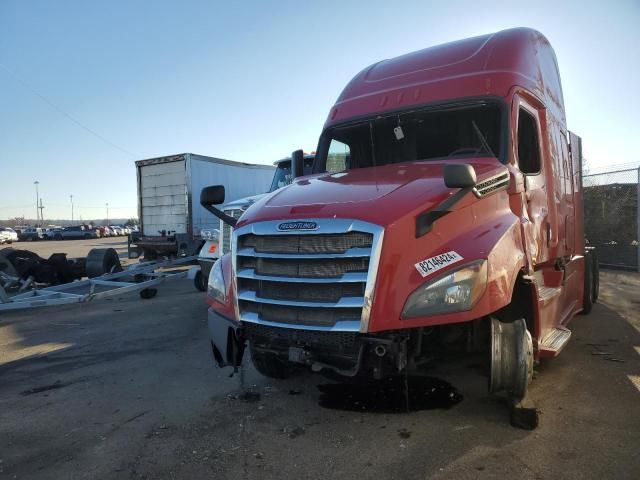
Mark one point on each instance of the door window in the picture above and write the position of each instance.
(528, 145)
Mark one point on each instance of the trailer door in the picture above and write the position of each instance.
(163, 197)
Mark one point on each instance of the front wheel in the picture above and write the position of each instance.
(270, 365)
(200, 282)
(148, 293)
(511, 357)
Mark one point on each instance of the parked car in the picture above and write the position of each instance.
(104, 231)
(32, 234)
(8, 235)
(49, 232)
(20, 228)
(117, 229)
(77, 232)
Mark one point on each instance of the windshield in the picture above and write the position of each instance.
(282, 175)
(411, 136)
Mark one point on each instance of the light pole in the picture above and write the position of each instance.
(107, 213)
(36, 183)
(71, 197)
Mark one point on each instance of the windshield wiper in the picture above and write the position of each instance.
(483, 140)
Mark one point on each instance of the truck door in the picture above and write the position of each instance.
(541, 230)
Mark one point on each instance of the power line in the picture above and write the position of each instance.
(64, 113)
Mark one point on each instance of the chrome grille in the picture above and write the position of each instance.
(337, 267)
(325, 317)
(306, 243)
(308, 280)
(225, 240)
(315, 292)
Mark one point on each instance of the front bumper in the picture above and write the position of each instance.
(345, 353)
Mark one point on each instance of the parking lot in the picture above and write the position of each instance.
(126, 388)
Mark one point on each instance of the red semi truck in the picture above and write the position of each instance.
(444, 215)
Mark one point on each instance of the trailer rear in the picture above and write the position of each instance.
(170, 221)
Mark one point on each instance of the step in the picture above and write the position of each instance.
(546, 294)
(553, 343)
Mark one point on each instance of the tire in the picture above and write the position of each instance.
(596, 276)
(200, 282)
(511, 357)
(101, 261)
(57, 237)
(148, 293)
(269, 365)
(149, 255)
(587, 298)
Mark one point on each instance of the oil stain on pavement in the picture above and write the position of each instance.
(392, 395)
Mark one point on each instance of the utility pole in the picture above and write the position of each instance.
(71, 197)
(41, 213)
(107, 213)
(36, 183)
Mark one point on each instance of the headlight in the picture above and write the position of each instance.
(215, 287)
(210, 234)
(454, 292)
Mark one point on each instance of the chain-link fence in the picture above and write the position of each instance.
(611, 216)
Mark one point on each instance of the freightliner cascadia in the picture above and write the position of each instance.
(443, 215)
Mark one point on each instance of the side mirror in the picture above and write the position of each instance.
(459, 175)
(213, 195)
(297, 163)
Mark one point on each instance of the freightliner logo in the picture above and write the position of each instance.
(289, 226)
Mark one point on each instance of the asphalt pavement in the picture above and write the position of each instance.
(126, 388)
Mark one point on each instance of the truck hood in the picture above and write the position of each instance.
(377, 195)
(243, 203)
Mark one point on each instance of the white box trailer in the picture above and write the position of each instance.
(169, 209)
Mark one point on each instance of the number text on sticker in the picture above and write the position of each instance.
(433, 264)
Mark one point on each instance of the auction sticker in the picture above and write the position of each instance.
(431, 265)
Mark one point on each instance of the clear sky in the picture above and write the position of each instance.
(252, 81)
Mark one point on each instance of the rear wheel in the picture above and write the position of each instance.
(587, 298)
(270, 365)
(596, 276)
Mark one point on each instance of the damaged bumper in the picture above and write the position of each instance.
(345, 353)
